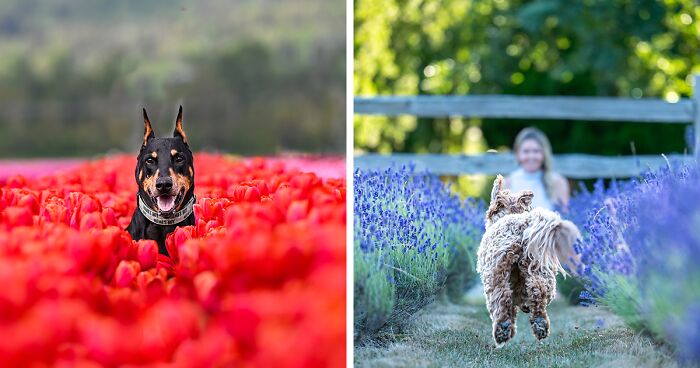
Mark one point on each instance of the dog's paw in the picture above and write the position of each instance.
(503, 332)
(540, 327)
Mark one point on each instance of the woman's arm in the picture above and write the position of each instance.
(562, 191)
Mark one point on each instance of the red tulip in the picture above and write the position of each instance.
(260, 274)
(147, 253)
(30, 202)
(17, 216)
(205, 284)
(297, 210)
(252, 194)
(126, 273)
(91, 221)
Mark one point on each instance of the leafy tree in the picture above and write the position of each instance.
(253, 78)
(625, 48)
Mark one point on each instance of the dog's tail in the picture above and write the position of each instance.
(550, 242)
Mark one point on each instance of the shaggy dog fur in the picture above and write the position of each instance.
(518, 258)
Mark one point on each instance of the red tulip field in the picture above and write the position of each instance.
(259, 281)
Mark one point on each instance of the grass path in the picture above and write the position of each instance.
(459, 335)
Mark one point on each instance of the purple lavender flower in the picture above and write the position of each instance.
(585, 298)
(599, 323)
(408, 228)
(641, 251)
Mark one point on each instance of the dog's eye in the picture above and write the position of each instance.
(179, 159)
(150, 161)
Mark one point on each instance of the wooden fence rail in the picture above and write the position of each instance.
(575, 166)
(578, 166)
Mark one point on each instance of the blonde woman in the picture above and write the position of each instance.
(534, 155)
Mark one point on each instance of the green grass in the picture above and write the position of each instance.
(459, 335)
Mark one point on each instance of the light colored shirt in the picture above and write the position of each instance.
(523, 180)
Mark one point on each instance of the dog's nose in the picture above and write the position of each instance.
(164, 184)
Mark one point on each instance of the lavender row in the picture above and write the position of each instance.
(641, 252)
(414, 239)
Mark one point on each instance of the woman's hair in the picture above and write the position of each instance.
(548, 162)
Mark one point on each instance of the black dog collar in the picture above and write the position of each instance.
(158, 218)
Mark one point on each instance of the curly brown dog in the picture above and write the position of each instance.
(518, 258)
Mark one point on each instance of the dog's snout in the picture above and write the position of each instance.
(164, 184)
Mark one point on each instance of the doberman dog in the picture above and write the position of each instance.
(165, 176)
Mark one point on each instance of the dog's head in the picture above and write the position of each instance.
(165, 168)
(505, 202)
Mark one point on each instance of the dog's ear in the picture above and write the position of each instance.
(525, 198)
(493, 209)
(178, 127)
(497, 184)
(148, 133)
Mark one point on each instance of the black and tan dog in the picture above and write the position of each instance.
(165, 175)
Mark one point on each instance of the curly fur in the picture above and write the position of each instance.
(519, 256)
(504, 202)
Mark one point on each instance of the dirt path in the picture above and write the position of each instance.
(458, 335)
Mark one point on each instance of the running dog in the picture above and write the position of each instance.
(519, 256)
(165, 176)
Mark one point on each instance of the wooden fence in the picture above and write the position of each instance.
(579, 166)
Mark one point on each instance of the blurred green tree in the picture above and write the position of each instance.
(254, 78)
(637, 49)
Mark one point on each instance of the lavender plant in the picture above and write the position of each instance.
(641, 252)
(411, 236)
(465, 226)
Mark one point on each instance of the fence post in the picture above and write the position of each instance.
(696, 115)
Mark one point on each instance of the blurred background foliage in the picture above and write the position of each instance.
(637, 49)
(254, 77)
